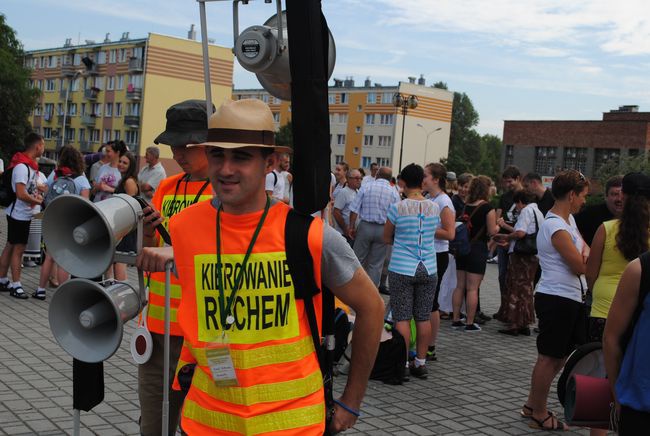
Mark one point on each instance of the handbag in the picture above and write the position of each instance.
(528, 244)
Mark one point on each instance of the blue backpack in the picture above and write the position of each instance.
(461, 244)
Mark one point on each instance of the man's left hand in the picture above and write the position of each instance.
(342, 419)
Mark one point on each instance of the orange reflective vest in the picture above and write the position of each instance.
(174, 194)
(280, 388)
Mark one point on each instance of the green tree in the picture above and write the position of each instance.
(626, 164)
(17, 98)
(284, 135)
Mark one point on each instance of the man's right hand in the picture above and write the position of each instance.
(154, 259)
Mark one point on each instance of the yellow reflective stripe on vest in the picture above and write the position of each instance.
(268, 355)
(158, 312)
(158, 288)
(268, 422)
(262, 393)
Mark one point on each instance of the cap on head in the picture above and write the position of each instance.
(451, 176)
(242, 123)
(636, 183)
(186, 124)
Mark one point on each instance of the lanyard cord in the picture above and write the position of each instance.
(226, 319)
(186, 178)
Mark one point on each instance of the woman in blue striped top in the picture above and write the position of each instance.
(412, 279)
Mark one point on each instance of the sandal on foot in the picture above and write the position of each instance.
(18, 293)
(555, 424)
(40, 295)
(527, 411)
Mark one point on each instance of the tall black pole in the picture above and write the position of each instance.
(401, 146)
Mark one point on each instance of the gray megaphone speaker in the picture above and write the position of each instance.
(81, 236)
(264, 50)
(87, 318)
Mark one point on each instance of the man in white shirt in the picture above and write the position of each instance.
(340, 172)
(341, 212)
(373, 173)
(24, 182)
(152, 173)
(274, 184)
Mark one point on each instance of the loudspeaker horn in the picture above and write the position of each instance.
(87, 318)
(81, 236)
(264, 50)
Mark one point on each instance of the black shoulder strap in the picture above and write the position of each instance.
(275, 178)
(644, 287)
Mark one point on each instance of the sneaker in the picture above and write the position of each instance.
(494, 259)
(472, 328)
(457, 324)
(431, 354)
(419, 371)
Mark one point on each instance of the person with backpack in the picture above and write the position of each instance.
(20, 186)
(481, 223)
(67, 178)
(263, 340)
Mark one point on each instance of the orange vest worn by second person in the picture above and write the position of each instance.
(280, 387)
(174, 194)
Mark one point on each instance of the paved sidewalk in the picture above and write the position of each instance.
(476, 387)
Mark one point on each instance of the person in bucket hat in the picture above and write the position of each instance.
(186, 124)
(245, 328)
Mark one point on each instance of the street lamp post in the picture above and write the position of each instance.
(426, 143)
(65, 104)
(405, 103)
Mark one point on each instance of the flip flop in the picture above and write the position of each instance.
(556, 424)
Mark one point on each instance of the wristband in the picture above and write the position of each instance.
(347, 408)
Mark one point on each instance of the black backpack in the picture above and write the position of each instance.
(7, 194)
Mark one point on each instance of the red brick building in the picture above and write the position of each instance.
(546, 147)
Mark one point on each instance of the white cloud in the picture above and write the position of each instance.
(547, 52)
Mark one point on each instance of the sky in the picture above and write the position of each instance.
(516, 60)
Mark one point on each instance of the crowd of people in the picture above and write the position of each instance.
(575, 272)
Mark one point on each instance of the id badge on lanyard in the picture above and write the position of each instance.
(219, 359)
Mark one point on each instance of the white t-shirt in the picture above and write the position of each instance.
(109, 175)
(342, 202)
(526, 221)
(287, 184)
(442, 200)
(21, 210)
(275, 182)
(557, 278)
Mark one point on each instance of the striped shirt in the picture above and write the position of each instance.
(415, 224)
(372, 201)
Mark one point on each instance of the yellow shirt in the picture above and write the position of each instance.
(611, 268)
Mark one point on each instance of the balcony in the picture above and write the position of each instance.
(133, 93)
(62, 94)
(132, 121)
(91, 93)
(69, 70)
(59, 120)
(85, 146)
(92, 70)
(89, 120)
(132, 146)
(136, 65)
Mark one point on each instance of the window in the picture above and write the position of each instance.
(276, 117)
(509, 156)
(383, 161)
(59, 108)
(338, 118)
(340, 139)
(366, 161)
(387, 119)
(133, 109)
(99, 82)
(47, 132)
(69, 134)
(76, 60)
(50, 85)
(107, 135)
(371, 98)
(51, 61)
(545, 160)
(83, 109)
(355, 150)
(367, 140)
(359, 108)
(62, 84)
(117, 134)
(131, 137)
(387, 98)
(331, 99)
(97, 109)
(384, 141)
(72, 109)
(94, 137)
(108, 110)
(265, 98)
(575, 158)
(338, 158)
(74, 86)
(82, 135)
(121, 55)
(101, 58)
(37, 111)
(344, 98)
(135, 80)
(118, 109)
(370, 119)
(138, 52)
(604, 155)
(39, 84)
(111, 56)
(120, 81)
(49, 110)
(276, 100)
(357, 129)
(110, 83)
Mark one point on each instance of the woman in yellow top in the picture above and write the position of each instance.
(616, 243)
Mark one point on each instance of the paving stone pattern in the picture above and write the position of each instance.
(476, 387)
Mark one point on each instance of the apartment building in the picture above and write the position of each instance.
(546, 147)
(120, 89)
(366, 126)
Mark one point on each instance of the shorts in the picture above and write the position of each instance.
(17, 231)
(442, 262)
(412, 296)
(476, 261)
(562, 325)
(596, 329)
